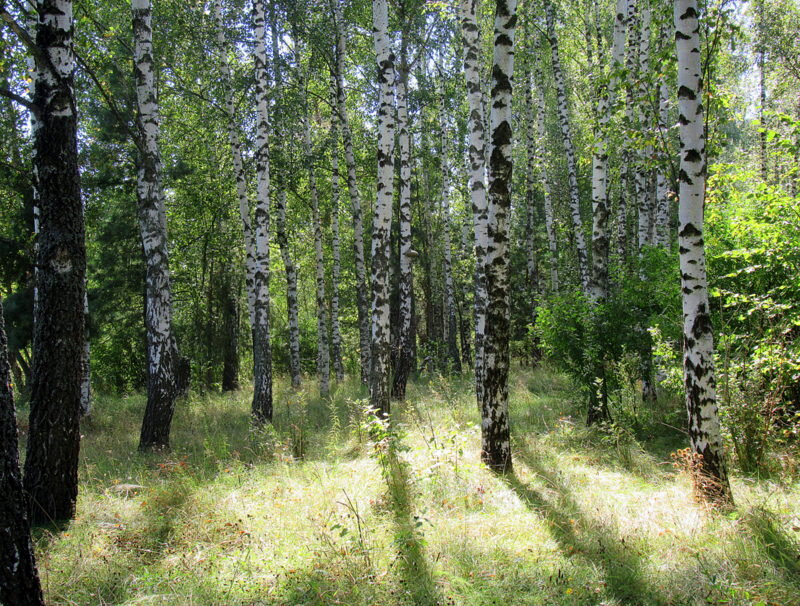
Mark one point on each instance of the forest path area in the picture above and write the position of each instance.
(330, 507)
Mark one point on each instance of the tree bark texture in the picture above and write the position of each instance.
(470, 33)
(336, 331)
(569, 147)
(495, 432)
(162, 353)
(362, 292)
(19, 579)
(404, 356)
(51, 465)
(698, 361)
(262, 353)
(382, 217)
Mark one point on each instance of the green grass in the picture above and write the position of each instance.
(320, 511)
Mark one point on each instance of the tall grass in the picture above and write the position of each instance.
(318, 509)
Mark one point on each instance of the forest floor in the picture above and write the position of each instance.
(319, 511)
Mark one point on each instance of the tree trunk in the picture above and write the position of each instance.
(323, 349)
(403, 367)
(230, 337)
(336, 333)
(162, 352)
(569, 148)
(495, 432)
(698, 362)
(362, 293)
(382, 217)
(292, 311)
(262, 354)
(238, 168)
(662, 230)
(51, 465)
(451, 326)
(549, 217)
(470, 33)
(19, 579)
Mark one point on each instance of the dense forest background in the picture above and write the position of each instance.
(250, 131)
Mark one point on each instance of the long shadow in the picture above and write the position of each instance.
(592, 540)
(775, 543)
(415, 569)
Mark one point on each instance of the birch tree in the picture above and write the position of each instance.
(336, 333)
(495, 432)
(569, 147)
(262, 355)
(362, 292)
(51, 465)
(698, 362)
(281, 236)
(470, 33)
(382, 217)
(162, 352)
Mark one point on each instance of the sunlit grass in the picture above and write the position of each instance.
(309, 513)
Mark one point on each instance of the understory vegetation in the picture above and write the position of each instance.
(331, 506)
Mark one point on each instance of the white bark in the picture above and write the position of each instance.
(699, 375)
(382, 217)
(495, 432)
(262, 379)
(336, 333)
(362, 292)
(569, 148)
(477, 155)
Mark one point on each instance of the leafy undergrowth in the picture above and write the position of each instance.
(327, 509)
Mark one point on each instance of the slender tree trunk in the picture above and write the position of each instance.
(292, 311)
(662, 230)
(470, 33)
(403, 366)
(698, 363)
(382, 218)
(262, 354)
(362, 292)
(451, 326)
(238, 168)
(569, 148)
(532, 266)
(51, 466)
(19, 579)
(162, 352)
(598, 291)
(230, 353)
(549, 217)
(495, 432)
(336, 333)
(323, 349)
(642, 172)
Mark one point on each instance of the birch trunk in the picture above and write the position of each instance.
(549, 217)
(642, 173)
(336, 333)
(362, 292)
(281, 236)
(698, 363)
(569, 148)
(404, 357)
(323, 348)
(470, 33)
(451, 326)
(238, 168)
(382, 217)
(662, 183)
(162, 389)
(495, 432)
(262, 354)
(19, 579)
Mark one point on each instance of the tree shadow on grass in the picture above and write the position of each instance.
(416, 573)
(775, 543)
(594, 541)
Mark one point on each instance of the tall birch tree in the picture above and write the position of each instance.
(382, 217)
(336, 332)
(470, 33)
(698, 361)
(262, 354)
(495, 431)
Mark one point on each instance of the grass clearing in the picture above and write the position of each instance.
(325, 509)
